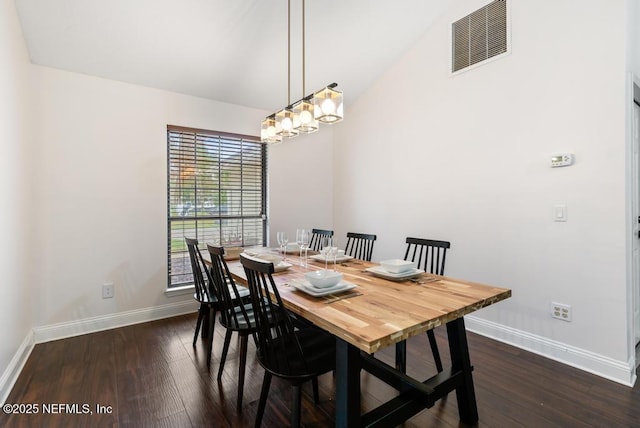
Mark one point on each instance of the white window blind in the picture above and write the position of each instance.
(216, 193)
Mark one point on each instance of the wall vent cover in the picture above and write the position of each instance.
(479, 36)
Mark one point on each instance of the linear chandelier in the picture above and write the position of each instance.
(304, 115)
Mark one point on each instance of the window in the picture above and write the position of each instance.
(216, 193)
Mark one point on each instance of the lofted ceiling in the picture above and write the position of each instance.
(233, 51)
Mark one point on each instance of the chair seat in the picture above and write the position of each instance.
(318, 347)
(205, 299)
(242, 291)
(239, 322)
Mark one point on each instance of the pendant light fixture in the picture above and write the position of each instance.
(268, 131)
(304, 115)
(328, 105)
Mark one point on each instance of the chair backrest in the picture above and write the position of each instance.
(225, 288)
(428, 253)
(201, 276)
(360, 245)
(316, 238)
(278, 347)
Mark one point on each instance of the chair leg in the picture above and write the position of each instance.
(401, 356)
(316, 392)
(296, 404)
(434, 350)
(266, 383)
(198, 323)
(243, 361)
(212, 321)
(212, 326)
(206, 320)
(225, 350)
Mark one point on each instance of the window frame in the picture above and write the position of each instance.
(200, 136)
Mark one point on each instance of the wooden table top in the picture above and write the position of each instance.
(385, 312)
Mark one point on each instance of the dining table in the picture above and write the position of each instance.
(377, 312)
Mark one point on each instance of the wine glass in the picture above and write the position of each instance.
(283, 241)
(333, 251)
(299, 235)
(304, 244)
(327, 243)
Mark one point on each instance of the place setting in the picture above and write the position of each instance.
(280, 264)
(325, 283)
(396, 270)
(340, 257)
(329, 252)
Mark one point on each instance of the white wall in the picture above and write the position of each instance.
(633, 83)
(17, 260)
(101, 184)
(466, 159)
(301, 183)
(102, 188)
(633, 15)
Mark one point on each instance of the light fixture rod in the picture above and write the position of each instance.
(289, 51)
(303, 51)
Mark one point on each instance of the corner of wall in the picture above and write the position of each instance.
(11, 373)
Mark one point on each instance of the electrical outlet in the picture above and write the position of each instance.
(561, 311)
(107, 290)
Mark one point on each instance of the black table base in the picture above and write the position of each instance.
(414, 396)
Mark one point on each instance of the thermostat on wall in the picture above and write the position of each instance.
(562, 159)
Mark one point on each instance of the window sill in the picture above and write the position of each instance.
(179, 291)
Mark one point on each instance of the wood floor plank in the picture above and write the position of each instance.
(151, 376)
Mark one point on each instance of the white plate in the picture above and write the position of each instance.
(282, 266)
(317, 292)
(278, 264)
(339, 259)
(381, 272)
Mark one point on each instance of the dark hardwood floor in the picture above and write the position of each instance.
(149, 375)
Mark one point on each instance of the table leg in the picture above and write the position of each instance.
(401, 356)
(467, 408)
(347, 385)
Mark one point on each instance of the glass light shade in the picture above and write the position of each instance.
(328, 105)
(268, 131)
(307, 122)
(285, 126)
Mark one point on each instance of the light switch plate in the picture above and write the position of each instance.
(560, 212)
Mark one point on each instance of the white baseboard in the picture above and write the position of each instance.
(12, 372)
(618, 371)
(107, 322)
(84, 326)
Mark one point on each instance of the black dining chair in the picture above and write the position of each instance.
(430, 256)
(295, 355)
(360, 245)
(316, 238)
(236, 313)
(209, 304)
